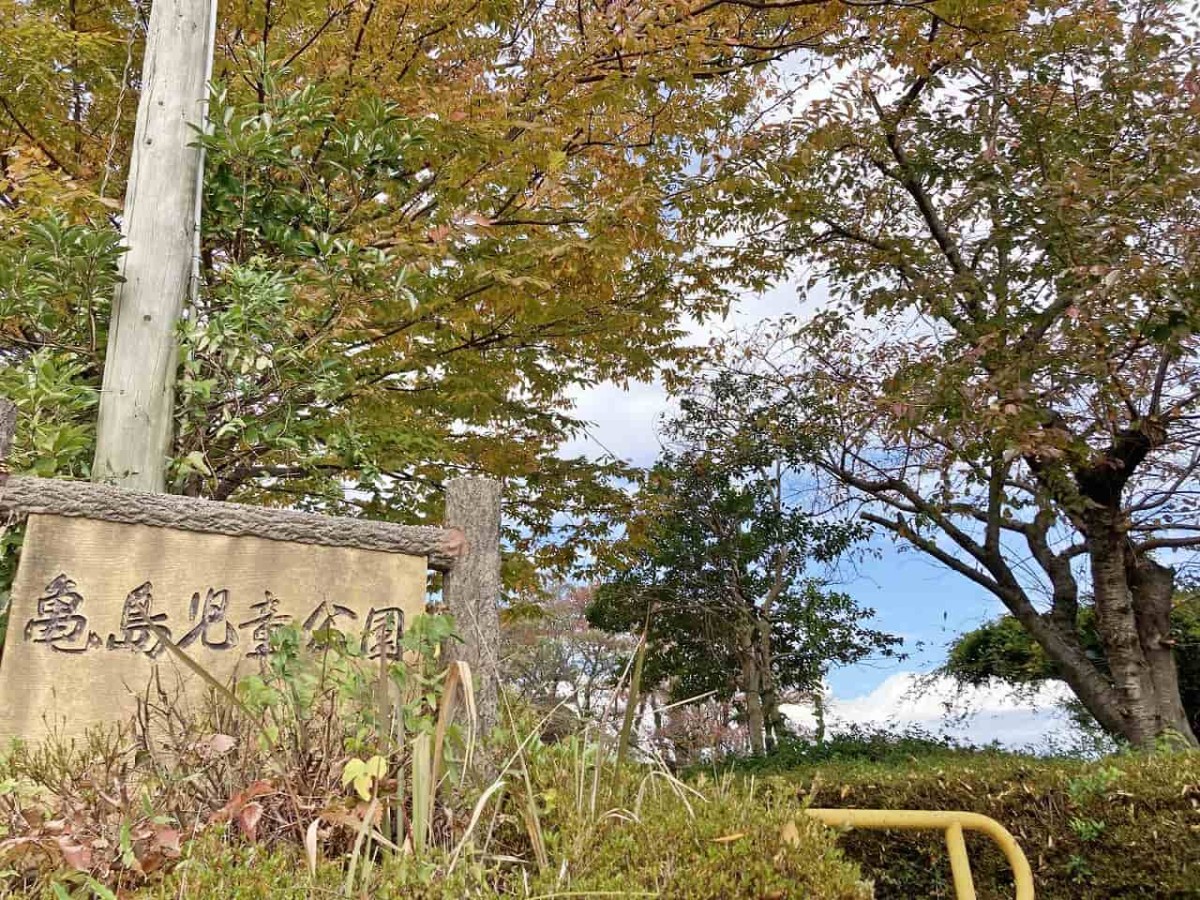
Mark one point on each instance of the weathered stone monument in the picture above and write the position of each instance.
(108, 575)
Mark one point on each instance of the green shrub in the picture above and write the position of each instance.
(720, 843)
(221, 865)
(854, 744)
(650, 836)
(1125, 826)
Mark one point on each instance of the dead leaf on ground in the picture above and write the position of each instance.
(248, 819)
(341, 816)
(729, 838)
(215, 745)
(167, 839)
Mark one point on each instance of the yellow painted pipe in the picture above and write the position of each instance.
(952, 824)
(960, 863)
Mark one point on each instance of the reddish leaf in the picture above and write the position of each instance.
(150, 861)
(248, 819)
(239, 800)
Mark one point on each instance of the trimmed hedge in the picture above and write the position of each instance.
(1126, 826)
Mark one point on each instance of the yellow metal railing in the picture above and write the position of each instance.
(952, 823)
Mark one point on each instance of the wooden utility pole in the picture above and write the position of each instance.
(472, 587)
(161, 229)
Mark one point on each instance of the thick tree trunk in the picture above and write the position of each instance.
(1117, 628)
(1138, 697)
(1153, 587)
(1061, 643)
(1149, 694)
(1133, 601)
(472, 588)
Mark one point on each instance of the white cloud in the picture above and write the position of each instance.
(621, 421)
(994, 713)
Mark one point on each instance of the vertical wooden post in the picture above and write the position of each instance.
(160, 229)
(472, 587)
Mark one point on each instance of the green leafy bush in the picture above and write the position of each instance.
(219, 865)
(714, 843)
(57, 279)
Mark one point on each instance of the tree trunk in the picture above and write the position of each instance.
(631, 701)
(1093, 688)
(1153, 587)
(773, 722)
(752, 690)
(819, 714)
(1150, 706)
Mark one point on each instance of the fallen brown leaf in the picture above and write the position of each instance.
(729, 838)
(247, 820)
(167, 839)
(239, 800)
(215, 745)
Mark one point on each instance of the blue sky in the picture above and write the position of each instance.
(918, 600)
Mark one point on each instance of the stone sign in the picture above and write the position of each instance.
(80, 648)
